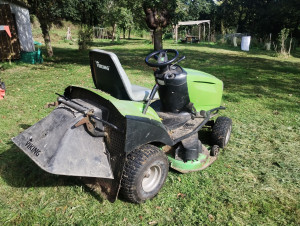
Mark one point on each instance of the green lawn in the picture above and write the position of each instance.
(255, 181)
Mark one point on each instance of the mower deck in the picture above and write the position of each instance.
(204, 160)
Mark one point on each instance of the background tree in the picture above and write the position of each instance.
(87, 13)
(125, 20)
(135, 17)
(112, 15)
(48, 12)
(158, 16)
(259, 17)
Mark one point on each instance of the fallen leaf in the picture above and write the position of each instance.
(125, 219)
(158, 207)
(211, 217)
(152, 222)
(141, 217)
(170, 209)
(179, 179)
(180, 195)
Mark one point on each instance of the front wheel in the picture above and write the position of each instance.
(221, 131)
(145, 172)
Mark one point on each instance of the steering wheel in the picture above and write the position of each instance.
(161, 54)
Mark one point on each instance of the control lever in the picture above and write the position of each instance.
(182, 58)
(152, 94)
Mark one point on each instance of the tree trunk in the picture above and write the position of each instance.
(222, 27)
(46, 35)
(157, 33)
(113, 32)
(124, 30)
(129, 30)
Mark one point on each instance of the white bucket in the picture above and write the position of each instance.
(245, 43)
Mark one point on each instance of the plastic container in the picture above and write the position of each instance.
(245, 43)
(32, 57)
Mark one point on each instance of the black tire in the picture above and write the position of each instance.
(214, 150)
(221, 131)
(145, 172)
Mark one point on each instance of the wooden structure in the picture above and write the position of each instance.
(100, 33)
(9, 44)
(199, 23)
(16, 16)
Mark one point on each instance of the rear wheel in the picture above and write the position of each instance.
(145, 172)
(221, 131)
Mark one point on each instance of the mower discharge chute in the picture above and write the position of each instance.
(124, 137)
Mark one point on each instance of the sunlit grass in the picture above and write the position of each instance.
(255, 181)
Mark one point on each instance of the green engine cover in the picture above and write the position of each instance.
(205, 90)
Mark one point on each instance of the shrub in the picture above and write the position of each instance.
(85, 36)
(168, 36)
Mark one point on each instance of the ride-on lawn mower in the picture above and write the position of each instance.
(123, 137)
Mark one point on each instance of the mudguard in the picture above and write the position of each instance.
(58, 147)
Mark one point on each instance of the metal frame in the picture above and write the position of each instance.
(196, 22)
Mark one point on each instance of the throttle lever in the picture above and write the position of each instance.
(182, 58)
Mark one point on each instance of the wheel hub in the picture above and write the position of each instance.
(151, 178)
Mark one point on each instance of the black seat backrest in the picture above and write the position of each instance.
(108, 74)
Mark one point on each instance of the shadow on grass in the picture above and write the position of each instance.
(18, 170)
(296, 53)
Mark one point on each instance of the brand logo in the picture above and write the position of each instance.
(102, 66)
(32, 148)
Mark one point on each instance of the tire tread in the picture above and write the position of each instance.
(220, 129)
(135, 161)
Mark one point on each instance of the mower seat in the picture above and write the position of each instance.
(110, 77)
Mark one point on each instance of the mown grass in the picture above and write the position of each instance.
(255, 181)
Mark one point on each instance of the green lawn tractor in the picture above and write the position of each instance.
(122, 138)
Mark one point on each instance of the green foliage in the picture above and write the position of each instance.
(85, 37)
(168, 35)
(125, 18)
(47, 11)
(258, 17)
(285, 43)
(89, 12)
(282, 37)
(194, 10)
